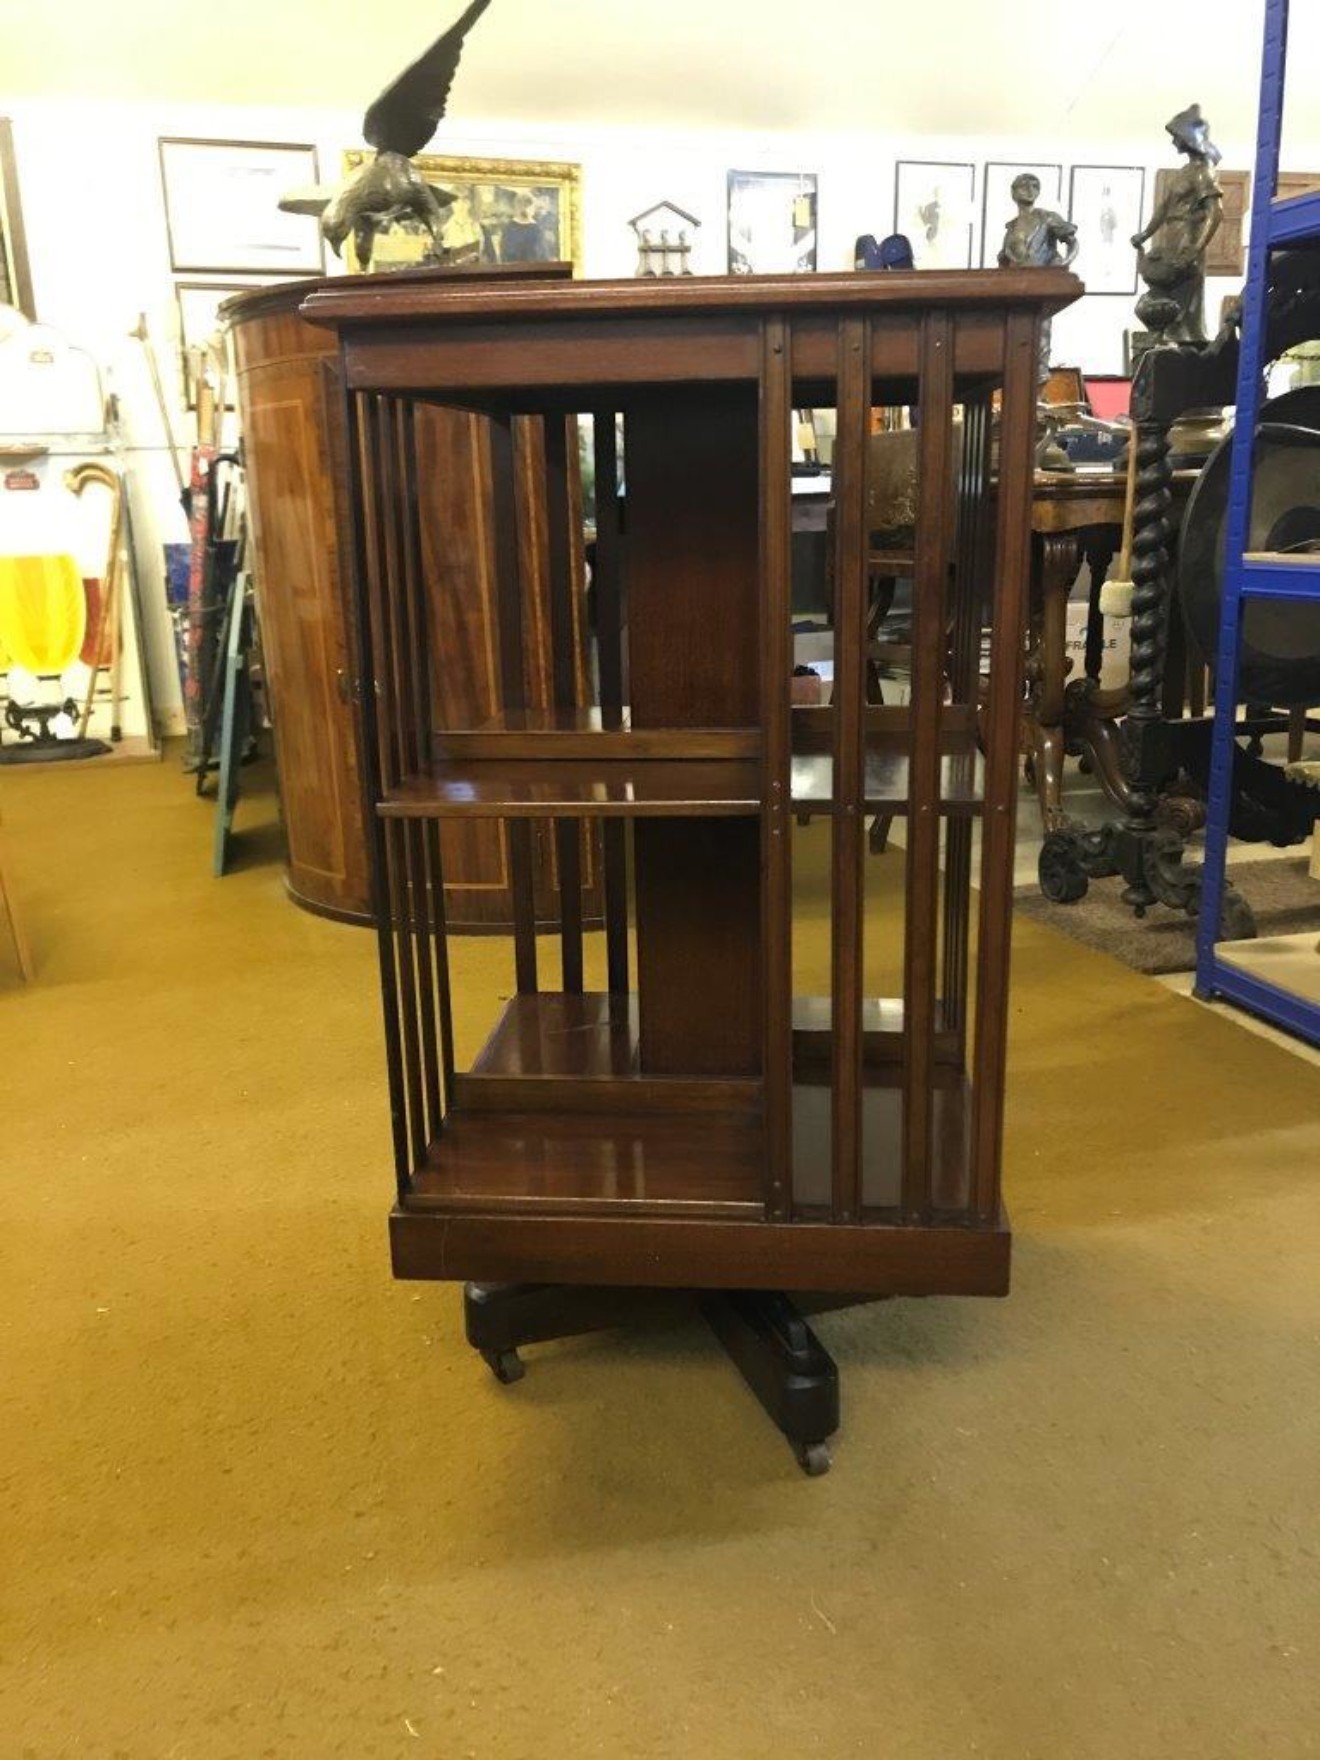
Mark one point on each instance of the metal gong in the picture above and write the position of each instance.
(1280, 664)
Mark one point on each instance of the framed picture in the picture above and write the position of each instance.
(504, 211)
(998, 206)
(15, 280)
(772, 222)
(933, 206)
(1104, 203)
(222, 209)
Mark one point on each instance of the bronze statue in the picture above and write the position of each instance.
(1037, 238)
(1185, 219)
(390, 188)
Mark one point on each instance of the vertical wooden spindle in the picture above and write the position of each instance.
(776, 845)
(934, 538)
(850, 562)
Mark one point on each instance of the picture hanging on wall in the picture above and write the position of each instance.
(503, 211)
(222, 209)
(772, 222)
(998, 206)
(933, 206)
(1104, 204)
(15, 281)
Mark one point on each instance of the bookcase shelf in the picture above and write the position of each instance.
(534, 788)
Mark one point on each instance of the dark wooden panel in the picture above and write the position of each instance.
(691, 569)
(699, 945)
(691, 561)
(551, 355)
(702, 1255)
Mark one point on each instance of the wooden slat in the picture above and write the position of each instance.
(563, 588)
(608, 593)
(934, 536)
(395, 709)
(1017, 432)
(850, 451)
(410, 594)
(776, 846)
(972, 575)
(358, 433)
(513, 689)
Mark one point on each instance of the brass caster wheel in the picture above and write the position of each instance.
(813, 1457)
(505, 1366)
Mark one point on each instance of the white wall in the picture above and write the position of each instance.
(90, 187)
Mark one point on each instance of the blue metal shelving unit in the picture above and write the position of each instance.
(1274, 225)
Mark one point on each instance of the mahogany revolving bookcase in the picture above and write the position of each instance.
(781, 1066)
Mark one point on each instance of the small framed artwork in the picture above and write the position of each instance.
(222, 211)
(933, 207)
(772, 222)
(1104, 204)
(15, 280)
(501, 211)
(998, 206)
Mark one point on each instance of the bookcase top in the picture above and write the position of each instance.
(440, 296)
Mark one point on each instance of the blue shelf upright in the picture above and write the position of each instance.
(1249, 575)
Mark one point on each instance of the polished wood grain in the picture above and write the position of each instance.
(387, 305)
(531, 788)
(674, 1253)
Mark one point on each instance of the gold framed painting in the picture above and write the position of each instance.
(504, 211)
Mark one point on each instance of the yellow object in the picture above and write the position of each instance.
(43, 611)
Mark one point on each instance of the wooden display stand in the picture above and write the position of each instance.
(695, 1124)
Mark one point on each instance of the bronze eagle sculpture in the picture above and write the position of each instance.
(389, 188)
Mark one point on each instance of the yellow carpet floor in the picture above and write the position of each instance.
(262, 1503)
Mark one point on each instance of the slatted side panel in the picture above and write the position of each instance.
(850, 563)
(1017, 433)
(390, 600)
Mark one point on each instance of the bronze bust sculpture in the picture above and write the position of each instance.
(1185, 219)
(1037, 238)
(1033, 236)
(390, 188)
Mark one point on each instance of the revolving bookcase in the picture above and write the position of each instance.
(716, 1094)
